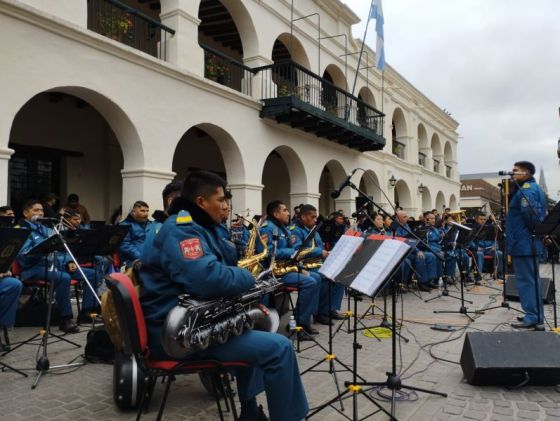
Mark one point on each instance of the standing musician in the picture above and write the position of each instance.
(329, 304)
(527, 208)
(278, 222)
(188, 257)
(35, 267)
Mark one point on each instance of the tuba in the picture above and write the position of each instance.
(194, 325)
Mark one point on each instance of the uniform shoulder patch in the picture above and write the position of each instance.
(191, 249)
(183, 217)
(526, 185)
(265, 224)
(292, 227)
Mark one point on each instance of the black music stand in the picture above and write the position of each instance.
(7, 221)
(346, 277)
(11, 242)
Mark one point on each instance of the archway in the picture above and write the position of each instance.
(332, 175)
(427, 203)
(333, 100)
(440, 202)
(402, 196)
(287, 47)
(423, 146)
(398, 134)
(448, 158)
(436, 152)
(453, 205)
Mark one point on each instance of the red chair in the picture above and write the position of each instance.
(41, 285)
(135, 343)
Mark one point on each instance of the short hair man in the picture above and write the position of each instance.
(133, 243)
(187, 258)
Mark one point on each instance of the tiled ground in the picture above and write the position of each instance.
(85, 394)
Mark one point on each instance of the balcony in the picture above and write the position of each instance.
(422, 159)
(124, 24)
(294, 96)
(399, 149)
(436, 166)
(226, 71)
(448, 171)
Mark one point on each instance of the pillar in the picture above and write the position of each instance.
(246, 199)
(144, 184)
(5, 154)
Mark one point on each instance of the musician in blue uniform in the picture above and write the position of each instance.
(484, 247)
(278, 223)
(329, 303)
(10, 290)
(527, 208)
(140, 227)
(434, 237)
(423, 262)
(378, 227)
(35, 267)
(188, 257)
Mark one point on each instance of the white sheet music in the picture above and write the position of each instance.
(339, 255)
(378, 268)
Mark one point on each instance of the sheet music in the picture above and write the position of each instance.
(380, 266)
(340, 255)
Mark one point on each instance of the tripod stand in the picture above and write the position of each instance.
(445, 292)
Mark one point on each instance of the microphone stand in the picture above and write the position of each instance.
(445, 292)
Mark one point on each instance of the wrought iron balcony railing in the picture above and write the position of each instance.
(422, 159)
(399, 149)
(294, 95)
(448, 171)
(227, 71)
(436, 165)
(124, 24)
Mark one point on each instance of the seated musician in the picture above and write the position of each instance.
(434, 236)
(35, 267)
(9, 216)
(132, 245)
(187, 257)
(482, 247)
(329, 304)
(378, 227)
(10, 290)
(423, 263)
(278, 223)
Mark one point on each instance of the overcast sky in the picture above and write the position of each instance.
(494, 64)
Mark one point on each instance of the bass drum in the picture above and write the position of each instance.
(128, 381)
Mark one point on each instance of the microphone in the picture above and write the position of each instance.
(336, 193)
(511, 173)
(40, 220)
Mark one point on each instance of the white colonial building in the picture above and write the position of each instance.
(112, 100)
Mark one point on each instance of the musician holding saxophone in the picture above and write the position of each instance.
(188, 257)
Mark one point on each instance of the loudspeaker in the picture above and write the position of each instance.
(512, 293)
(511, 358)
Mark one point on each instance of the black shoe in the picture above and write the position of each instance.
(424, 288)
(523, 325)
(520, 318)
(309, 330)
(5, 348)
(336, 316)
(84, 318)
(323, 320)
(261, 416)
(302, 337)
(68, 326)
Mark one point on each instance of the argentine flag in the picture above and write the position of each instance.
(377, 14)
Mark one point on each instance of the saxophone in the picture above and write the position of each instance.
(193, 325)
(251, 261)
(283, 267)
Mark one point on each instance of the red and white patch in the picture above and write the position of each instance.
(191, 249)
(264, 238)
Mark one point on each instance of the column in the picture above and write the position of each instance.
(246, 199)
(305, 198)
(144, 184)
(5, 154)
(257, 79)
(347, 203)
(183, 49)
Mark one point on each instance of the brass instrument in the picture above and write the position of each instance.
(283, 267)
(458, 215)
(312, 263)
(251, 261)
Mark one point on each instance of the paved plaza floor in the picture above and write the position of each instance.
(86, 393)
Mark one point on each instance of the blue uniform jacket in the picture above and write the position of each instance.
(186, 258)
(286, 239)
(433, 238)
(132, 245)
(375, 231)
(39, 233)
(224, 236)
(302, 232)
(526, 208)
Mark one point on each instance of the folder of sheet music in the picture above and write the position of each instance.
(364, 264)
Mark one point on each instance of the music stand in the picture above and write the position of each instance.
(11, 242)
(7, 221)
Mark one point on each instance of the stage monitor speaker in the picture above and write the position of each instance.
(511, 358)
(512, 293)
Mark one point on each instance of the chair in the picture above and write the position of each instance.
(135, 343)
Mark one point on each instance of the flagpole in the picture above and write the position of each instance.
(382, 88)
(362, 49)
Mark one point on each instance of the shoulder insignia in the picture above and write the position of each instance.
(191, 249)
(183, 217)
(527, 186)
(292, 227)
(265, 224)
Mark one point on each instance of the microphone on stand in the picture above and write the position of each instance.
(336, 193)
(511, 173)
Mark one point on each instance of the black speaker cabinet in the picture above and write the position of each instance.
(511, 358)
(512, 293)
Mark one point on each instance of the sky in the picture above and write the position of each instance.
(494, 64)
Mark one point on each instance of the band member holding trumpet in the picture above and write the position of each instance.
(312, 262)
(278, 223)
(188, 257)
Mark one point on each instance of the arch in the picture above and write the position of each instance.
(453, 205)
(448, 152)
(422, 137)
(435, 144)
(398, 134)
(125, 131)
(331, 176)
(369, 183)
(427, 203)
(334, 74)
(288, 47)
(367, 96)
(402, 195)
(212, 139)
(440, 201)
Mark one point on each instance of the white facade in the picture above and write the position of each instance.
(126, 123)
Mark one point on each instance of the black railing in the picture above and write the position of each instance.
(290, 79)
(448, 171)
(421, 159)
(227, 71)
(436, 165)
(120, 22)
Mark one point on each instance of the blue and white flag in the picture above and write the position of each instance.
(377, 14)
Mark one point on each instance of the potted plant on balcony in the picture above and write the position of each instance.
(117, 27)
(284, 90)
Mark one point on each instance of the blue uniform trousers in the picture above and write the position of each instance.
(308, 295)
(336, 295)
(463, 260)
(525, 282)
(10, 289)
(480, 259)
(450, 264)
(88, 301)
(61, 286)
(432, 264)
